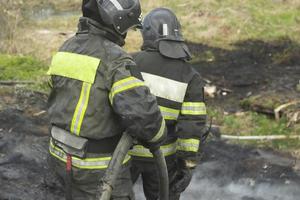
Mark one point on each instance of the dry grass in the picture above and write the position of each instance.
(213, 22)
(251, 123)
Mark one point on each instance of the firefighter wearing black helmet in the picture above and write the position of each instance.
(95, 97)
(179, 91)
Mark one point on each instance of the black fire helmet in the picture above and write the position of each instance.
(162, 31)
(121, 14)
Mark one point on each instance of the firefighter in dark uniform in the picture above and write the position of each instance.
(179, 92)
(95, 97)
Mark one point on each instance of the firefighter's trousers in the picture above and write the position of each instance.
(86, 182)
(148, 171)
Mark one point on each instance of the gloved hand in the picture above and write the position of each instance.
(183, 177)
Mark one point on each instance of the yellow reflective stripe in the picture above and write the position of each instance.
(188, 145)
(123, 85)
(75, 66)
(140, 151)
(87, 163)
(193, 108)
(160, 133)
(191, 145)
(81, 108)
(125, 80)
(169, 113)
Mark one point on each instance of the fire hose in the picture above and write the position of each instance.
(116, 162)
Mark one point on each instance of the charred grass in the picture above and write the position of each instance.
(260, 76)
(227, 37)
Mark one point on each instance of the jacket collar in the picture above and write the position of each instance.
(87, 25)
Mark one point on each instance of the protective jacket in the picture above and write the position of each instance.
(96, 96)
(179, 92)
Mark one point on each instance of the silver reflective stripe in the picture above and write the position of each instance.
(123, 85)
(169, 113)
(141, 151)
(165, 88)
(191, 145)
(165, 30)
(87, 163)
(160, 132)
(81, 108)
(116, 4)
(193, 108)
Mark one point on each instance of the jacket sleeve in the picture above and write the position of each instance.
(136, 106)
(191, 124)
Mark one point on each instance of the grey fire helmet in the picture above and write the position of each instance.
(121, 14)
(162, 31)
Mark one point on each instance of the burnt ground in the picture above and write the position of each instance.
(252, 67)
(24, 173)
(227, 172)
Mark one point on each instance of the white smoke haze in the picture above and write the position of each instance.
(244, 189)
(226, 172)
(210, 190)
(220, 178)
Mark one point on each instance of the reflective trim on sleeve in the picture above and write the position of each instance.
(160, 133)
(140, 151)
(193, 108)
(165, 88)
(191, 145)
(75, 66)
(81, 108)
(169, 113)
(123, 85)
(87, 163)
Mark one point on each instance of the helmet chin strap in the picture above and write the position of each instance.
(114, 37)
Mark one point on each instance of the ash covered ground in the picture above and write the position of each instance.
(251, 67)
(227, 172)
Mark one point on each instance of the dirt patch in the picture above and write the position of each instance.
(24, 173)
(250, 68)
(227, 172)
(232, 172)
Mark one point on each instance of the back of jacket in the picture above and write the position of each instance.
(80, 107)
(179, 91)
(94, 94)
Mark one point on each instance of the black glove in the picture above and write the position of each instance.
(183, 177)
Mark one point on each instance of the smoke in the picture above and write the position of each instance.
(216, 180)
(226, 172)
(243, 189)
(213, 189)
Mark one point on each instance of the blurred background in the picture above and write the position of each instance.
(247, 51)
